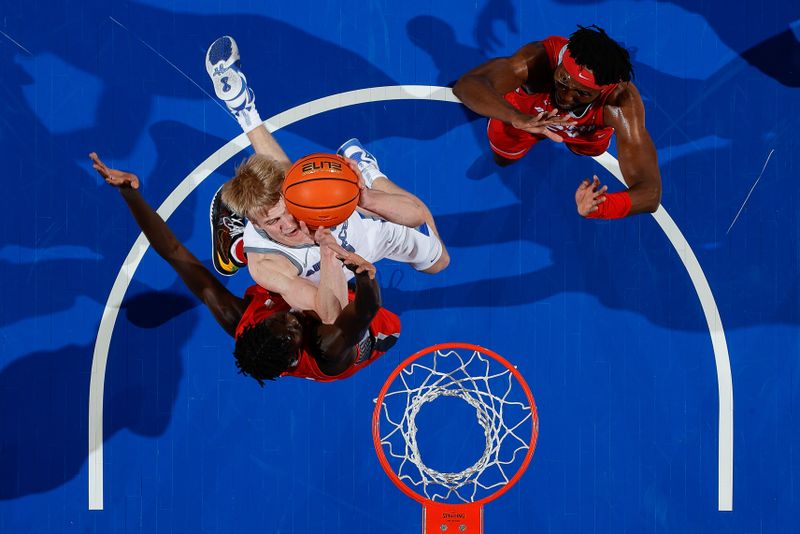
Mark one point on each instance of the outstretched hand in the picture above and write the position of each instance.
(358, 265)
(354, 167)
(539, 124)
(351, 260)
(589, 196)
(324, 238)
(119, 179)
(363, 190)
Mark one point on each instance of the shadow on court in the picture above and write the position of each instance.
(44, 395)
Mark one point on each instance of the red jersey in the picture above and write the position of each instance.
(381, 336)
(588, 136)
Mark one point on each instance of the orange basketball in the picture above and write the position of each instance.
(321, 190)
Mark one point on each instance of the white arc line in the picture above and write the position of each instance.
(718, 342)
(363, 96)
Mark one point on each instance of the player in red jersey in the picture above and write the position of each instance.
(578, 92)
(272, 339)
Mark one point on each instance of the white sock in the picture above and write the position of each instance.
(370, 174)
(249, 119)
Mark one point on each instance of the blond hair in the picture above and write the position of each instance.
(257, 184)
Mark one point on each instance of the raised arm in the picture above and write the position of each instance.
(389, 201)
(226, 307)
(338, 341)
(637, 156)
(482, 88)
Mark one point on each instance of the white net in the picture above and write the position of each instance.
(502, 410)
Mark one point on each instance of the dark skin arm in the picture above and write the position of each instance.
(482, 89)
(636, 152)
(226, 307)
(337, 342)
(638, 161)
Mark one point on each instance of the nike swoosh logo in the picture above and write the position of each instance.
(582, 76)
(227, 265)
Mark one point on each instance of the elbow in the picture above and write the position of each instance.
(645, 198)
(444, 260)
(459, 89)
(418, 218)
(652, 199)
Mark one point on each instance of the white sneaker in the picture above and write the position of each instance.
(230, 84)
(367, 163)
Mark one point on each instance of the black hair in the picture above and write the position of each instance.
(592, 48)
(263, 352)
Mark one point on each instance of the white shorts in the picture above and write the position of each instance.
(417, 247)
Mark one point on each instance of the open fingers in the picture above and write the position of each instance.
(96, 160)
(98, 165)
(113, 176)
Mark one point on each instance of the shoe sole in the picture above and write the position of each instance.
(214, 200)
(232, 51)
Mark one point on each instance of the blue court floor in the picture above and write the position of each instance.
(663, 351)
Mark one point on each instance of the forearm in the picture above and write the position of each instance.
(331, 295)
(266, 145)
(354, 319)
(152, 225)
(641, 173)
(478, 94)
(396, 208)
(368, 296)
(226, 308)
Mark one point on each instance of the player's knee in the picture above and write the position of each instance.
(441, 264)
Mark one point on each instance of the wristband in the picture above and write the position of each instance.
(616, 206)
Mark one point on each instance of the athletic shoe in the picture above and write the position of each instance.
(224, 69)
(367, 163)
(227, 237)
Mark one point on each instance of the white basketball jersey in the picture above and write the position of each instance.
(351, 235)
(371, 238)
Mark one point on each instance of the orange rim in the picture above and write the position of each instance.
(376, 416)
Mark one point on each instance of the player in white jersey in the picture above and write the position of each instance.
(282, 255)
(373, 237)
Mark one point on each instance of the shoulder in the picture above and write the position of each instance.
(530, 54)
(626, 97)
(624, 104)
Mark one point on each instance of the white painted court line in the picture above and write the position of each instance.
(720, 346)
(363, 96)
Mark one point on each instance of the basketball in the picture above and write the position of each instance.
(321, 190)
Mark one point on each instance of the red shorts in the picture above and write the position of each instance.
(511, 143)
